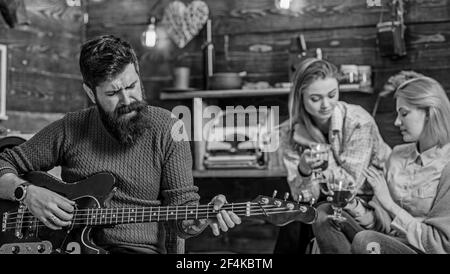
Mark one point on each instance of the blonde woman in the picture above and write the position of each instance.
(410, 212)
(317, 116)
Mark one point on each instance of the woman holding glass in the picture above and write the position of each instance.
(348, 137)
(410, 211)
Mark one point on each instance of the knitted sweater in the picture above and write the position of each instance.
(155, 171)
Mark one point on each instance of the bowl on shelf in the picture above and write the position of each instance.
(226, 80)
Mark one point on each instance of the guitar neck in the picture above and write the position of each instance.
(110, 216)
(272, 210)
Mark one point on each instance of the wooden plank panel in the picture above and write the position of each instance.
(356, 42)
(29, 122)
(236, 16)
(337, 45)
(40, 92)
(35, 49)
(55, 16)
(426, 43)
(43, 73)
(259, 16)
(107, 13)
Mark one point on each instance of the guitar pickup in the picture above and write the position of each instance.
(44, 247)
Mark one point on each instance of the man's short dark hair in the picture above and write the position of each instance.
(103, 58)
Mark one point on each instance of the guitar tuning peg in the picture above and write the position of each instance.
(274, 194)
(300, 198)
(313, 201)
(286, 196)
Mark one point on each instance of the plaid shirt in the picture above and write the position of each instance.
(355, 144)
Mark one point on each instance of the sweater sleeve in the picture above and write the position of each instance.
(435, 228)
(432, 234)
(41, 152)
(177, 186)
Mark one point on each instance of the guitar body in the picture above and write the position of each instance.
(93, 192)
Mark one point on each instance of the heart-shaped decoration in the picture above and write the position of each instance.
(184, 23)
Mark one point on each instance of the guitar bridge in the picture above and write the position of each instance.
(19, 221)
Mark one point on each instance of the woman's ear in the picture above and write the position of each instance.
(89, 93)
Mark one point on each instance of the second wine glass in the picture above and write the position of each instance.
(343, 190)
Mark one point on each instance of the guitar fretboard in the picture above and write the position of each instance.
(112, 216)
(105, 216)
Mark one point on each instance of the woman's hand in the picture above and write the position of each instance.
(381, 191)
(308, 163)
(54, 210)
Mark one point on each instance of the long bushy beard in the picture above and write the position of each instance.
(126, 131)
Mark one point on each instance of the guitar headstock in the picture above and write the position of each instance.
(281, 212)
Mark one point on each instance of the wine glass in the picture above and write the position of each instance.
(320, 151)
(343, 190)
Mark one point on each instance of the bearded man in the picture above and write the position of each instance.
(121, 135)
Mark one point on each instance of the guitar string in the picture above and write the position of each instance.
(83, 221)
(145, 219)
(163, 213)
(106, 223)
(166, 209)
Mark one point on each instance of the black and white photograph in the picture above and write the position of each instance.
(227, 133)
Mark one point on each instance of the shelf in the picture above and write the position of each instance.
(355, 88)
(223, 93)
(238, 173)
(233, 93)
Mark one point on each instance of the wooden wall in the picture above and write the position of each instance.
(343, 29)
(43, 74)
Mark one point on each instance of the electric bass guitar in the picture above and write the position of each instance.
(22, 233)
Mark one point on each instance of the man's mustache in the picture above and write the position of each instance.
(135, 106)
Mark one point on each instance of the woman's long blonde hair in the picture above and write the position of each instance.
(427, 94)
(308, 71)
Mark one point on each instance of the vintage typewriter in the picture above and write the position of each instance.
(236, 146)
